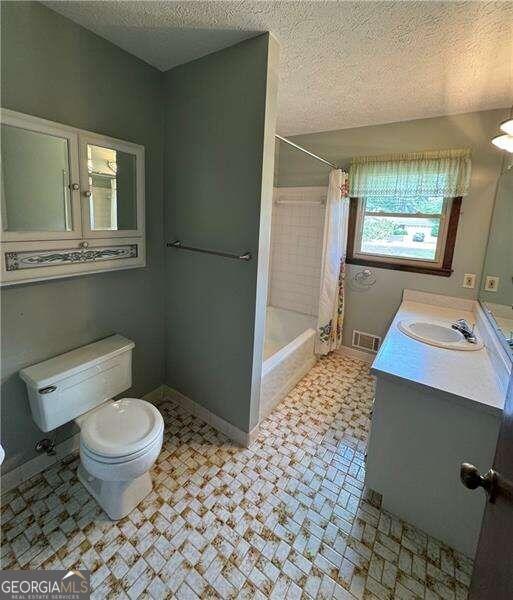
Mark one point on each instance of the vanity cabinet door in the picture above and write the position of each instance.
(39, 180)
(112, 187)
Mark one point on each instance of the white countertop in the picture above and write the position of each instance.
(469, 376)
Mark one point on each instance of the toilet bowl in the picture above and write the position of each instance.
(119, 443)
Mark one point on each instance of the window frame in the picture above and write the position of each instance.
(442, 266)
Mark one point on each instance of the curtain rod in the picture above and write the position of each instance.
(290, 143)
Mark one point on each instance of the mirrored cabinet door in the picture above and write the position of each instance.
(112, 186)
(40, 196)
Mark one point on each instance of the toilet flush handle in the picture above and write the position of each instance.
(48, 389)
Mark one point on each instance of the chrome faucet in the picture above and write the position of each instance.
(464, 327)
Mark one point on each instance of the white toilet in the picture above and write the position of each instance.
(119, 440)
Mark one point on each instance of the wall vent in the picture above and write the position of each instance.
(366, 341)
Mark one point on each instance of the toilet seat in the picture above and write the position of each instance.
(124, 459)
(121, 430)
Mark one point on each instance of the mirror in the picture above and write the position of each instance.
(112, 186)
(35, 181)
(496, 293)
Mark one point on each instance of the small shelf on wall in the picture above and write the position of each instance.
(300, 196)
(35, 261)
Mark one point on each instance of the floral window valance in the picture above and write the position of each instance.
(439, 173)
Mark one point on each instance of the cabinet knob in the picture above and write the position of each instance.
(84, 244)
(88, 193)
(75, 186)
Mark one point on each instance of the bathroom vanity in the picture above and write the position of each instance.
(435, 407)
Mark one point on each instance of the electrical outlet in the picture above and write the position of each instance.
(469, 280)
(491, 284)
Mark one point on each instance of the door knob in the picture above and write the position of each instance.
(472, 479)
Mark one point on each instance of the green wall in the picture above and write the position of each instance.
(372, 310)
(295, 168)
(55, 69)
(218, 182)
(220, 113)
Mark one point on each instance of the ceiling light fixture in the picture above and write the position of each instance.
(507, 126)
(504, 142)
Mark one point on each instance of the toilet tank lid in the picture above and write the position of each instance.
(59, 367)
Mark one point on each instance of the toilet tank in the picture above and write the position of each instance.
(67, 386)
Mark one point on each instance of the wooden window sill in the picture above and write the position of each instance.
(379, 264)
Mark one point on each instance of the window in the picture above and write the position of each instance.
(414, 234)
(405, 209)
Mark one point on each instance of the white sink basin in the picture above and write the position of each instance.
(437, 334)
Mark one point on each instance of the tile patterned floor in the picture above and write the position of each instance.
(286, 518)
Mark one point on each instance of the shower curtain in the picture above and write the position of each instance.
(331, 298)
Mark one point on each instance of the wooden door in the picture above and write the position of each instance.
(493, 569)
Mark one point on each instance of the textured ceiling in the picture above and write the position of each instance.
(343, 64)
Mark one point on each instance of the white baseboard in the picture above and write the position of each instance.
(240, 437)
(355, 353)
(156, 395)
(38, 464)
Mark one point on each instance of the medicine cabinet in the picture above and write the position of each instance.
(72, 201)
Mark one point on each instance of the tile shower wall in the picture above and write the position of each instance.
(296, 248)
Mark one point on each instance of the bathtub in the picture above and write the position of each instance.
(288, 354)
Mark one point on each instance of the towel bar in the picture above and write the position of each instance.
(179, 246)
